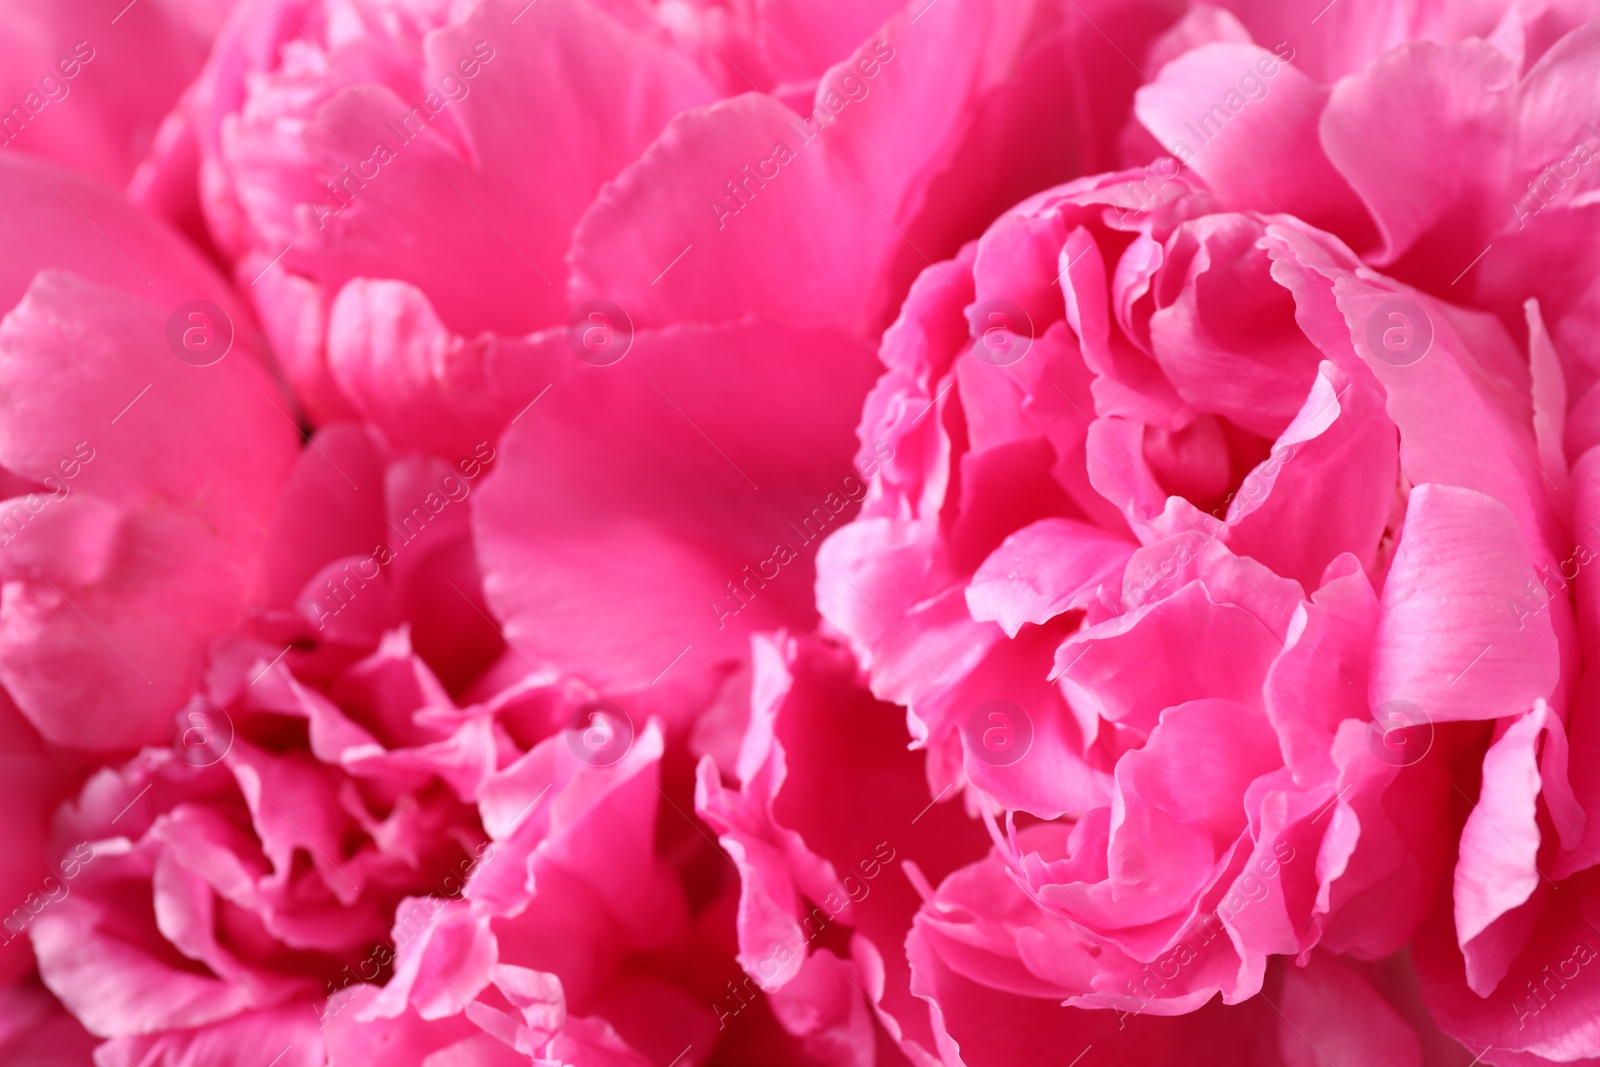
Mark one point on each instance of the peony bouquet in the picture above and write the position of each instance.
(794, 533)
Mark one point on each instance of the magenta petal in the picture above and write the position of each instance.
(88, 631)
(1246, 122)
(671, 500)
(1042, 570)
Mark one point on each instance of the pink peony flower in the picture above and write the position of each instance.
(1500, 958)
(1171, 492)
(428, 206)
(366, 725)
(376, 831)
(1020, 563)
(141, 451)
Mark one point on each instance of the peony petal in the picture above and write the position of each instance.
(92, 651)
(1451, 639)
(730, 439)
(1247, 124)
